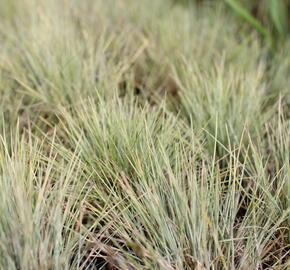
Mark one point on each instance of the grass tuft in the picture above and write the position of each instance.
(144, 135)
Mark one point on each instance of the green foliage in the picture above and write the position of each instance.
(270, 17)
(246, 15)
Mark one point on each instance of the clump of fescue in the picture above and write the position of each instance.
(140, 135)
(39, 205)
(159, 201)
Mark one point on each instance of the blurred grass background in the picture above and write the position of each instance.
(270, 17)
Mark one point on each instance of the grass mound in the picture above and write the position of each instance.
(141, 135)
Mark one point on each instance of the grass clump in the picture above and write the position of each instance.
(39, 206)
(141, 136)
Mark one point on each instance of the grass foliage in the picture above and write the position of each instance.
(270, 17)
(141, 135)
